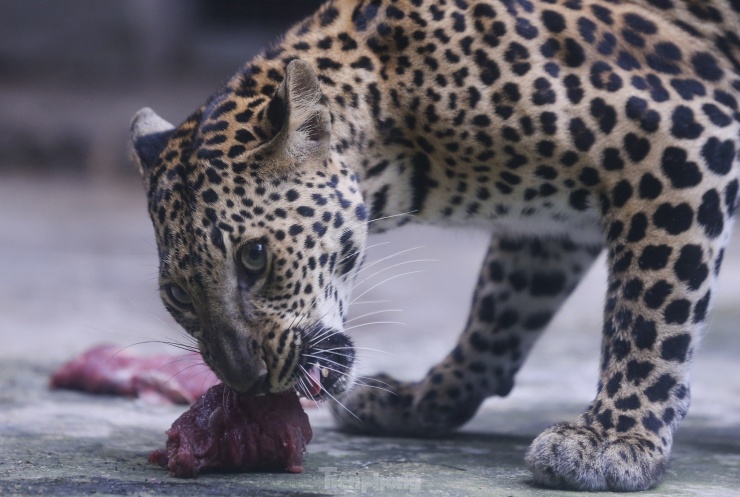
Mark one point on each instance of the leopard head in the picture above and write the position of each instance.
(260, 231)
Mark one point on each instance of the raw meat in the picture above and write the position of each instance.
(109, 369)
(226, 431)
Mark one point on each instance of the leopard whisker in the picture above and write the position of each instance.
(177, 345)
(323, 359)
(183, 370)
(375, 379)
(334, 369)
(408, 213)
(369, 302)
(356, 348)
(394, 266)
(357, 326)
(362, 250)
(372, 314)
(167, 339)
(183, 358)
(342, 405)
(374, 323)
(319, 335)
(387, 257)
(383, 282)
(304, 387)
(367, 385)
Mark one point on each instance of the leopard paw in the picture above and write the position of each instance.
(377, 407)
(579, 457)
(385, 406)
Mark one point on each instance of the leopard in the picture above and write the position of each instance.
(562, 128)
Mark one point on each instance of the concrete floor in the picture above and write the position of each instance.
(78, 267)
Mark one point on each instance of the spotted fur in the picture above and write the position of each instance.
(561, 126)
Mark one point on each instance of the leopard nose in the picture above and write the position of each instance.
(244, 376)
(236, 362)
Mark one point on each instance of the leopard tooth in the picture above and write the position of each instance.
(324, 372)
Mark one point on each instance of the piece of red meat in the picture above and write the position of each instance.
(110, 369)
(226, 431)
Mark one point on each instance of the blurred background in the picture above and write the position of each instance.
(72, 73)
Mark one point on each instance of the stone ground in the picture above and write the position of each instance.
(78, 267)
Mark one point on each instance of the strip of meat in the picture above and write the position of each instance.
(109, 369)
(226, 431)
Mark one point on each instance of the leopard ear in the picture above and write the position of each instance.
(149, 136)
(299, 111)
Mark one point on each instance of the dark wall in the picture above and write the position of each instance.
(236, 11)
(75, 71)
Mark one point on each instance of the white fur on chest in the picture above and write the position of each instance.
(532, 222)
(534, 219)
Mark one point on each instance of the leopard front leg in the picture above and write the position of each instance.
(522, 284)
(659, 289)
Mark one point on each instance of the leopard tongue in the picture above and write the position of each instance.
(314, 376)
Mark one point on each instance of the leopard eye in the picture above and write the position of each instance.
(178, 295)
(253, 257)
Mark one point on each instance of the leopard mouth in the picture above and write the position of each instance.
(326, 364)
(323, 369)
